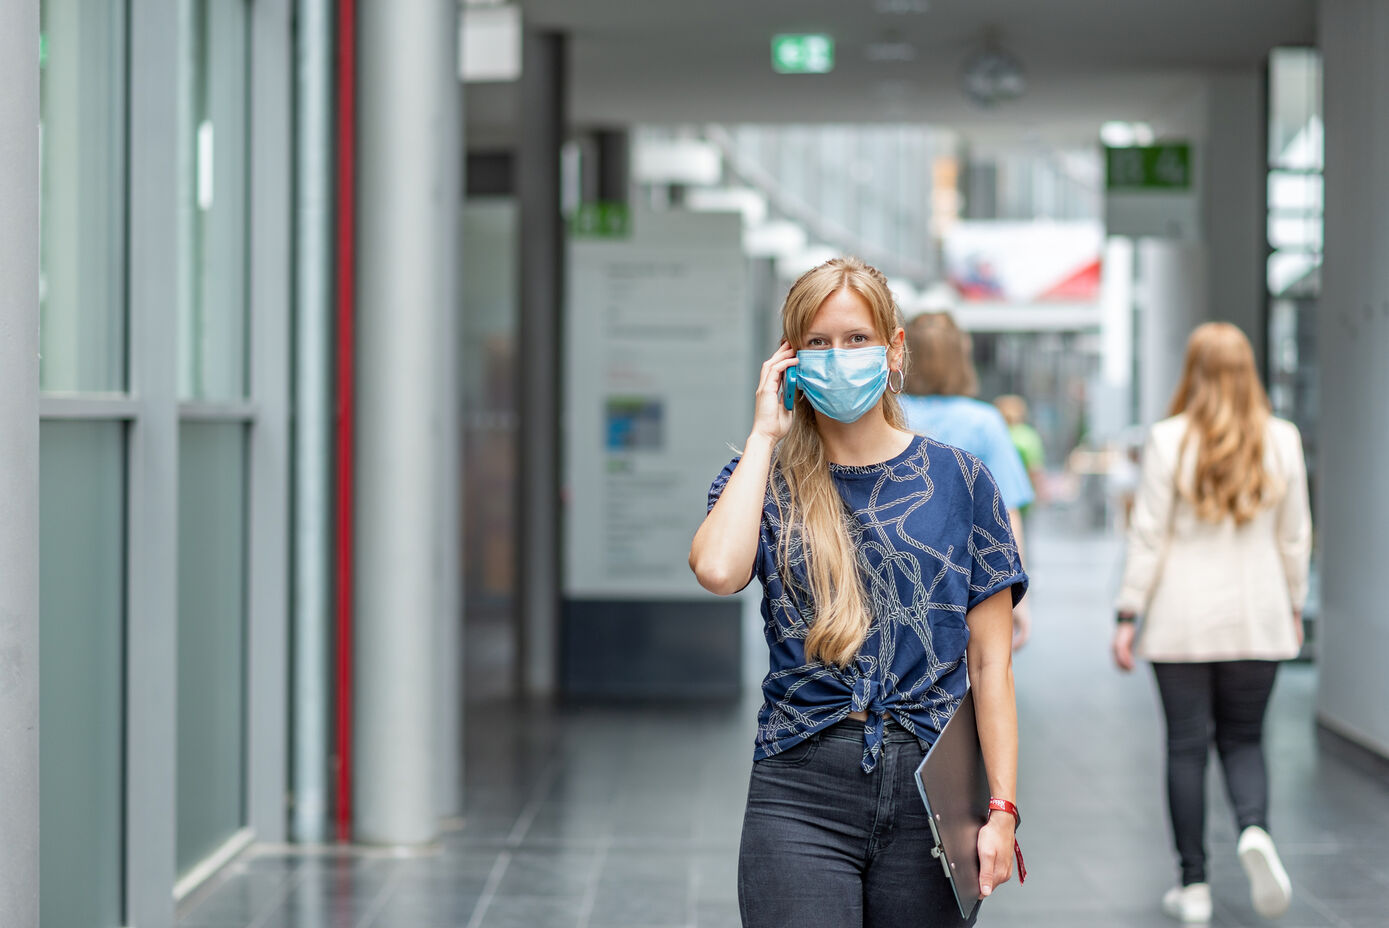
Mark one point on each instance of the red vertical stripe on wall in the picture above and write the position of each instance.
(346, 248)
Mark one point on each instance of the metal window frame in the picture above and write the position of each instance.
(153, 414)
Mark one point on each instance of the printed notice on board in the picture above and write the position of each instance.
(658, 383)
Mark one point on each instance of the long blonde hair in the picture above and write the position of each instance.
(813, 516)
(1227, 416)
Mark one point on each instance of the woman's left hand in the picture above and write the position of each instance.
(1123, 645)
(995, 853)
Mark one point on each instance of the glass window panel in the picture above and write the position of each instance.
(489, 353)
(1295, 108)
(211, 636)
(213, 207)
(82, 138)
(1299, 232)
(1290, 190)
(81, 597)
(1288, 269)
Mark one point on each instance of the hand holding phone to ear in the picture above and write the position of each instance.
(773, 414)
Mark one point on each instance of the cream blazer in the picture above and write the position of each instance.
(1213, 592)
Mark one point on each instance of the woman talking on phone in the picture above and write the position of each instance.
(889, 574)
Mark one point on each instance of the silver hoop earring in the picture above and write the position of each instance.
(901, 381)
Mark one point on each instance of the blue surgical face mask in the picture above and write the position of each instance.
(843, 383)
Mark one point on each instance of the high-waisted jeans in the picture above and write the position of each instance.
(1225, 700)
(826, 845)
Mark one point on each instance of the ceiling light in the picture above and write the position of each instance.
(1116, 134)
(991, 75)
(1119, 134)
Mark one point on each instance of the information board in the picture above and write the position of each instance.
(658, 384)
(1153, 191)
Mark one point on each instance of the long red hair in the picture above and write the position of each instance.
(1227, 412)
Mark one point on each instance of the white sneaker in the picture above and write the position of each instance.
(1190, 904)
(1269, 887)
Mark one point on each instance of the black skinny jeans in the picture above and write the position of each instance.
(1226, 699)
(826, 845)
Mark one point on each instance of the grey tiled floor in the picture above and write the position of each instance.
(608, 817)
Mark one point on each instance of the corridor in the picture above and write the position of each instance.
(606, 817)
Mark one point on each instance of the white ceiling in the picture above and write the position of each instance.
(674, 61)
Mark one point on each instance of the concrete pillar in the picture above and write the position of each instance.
(1111, 403)
(1182, 284)
(542, 302)
(407, 139)
(1352, 506)
(448, 438)
(1171, 296)
(19, 463)
(1234, 195)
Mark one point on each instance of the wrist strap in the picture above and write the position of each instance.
(1003, 805)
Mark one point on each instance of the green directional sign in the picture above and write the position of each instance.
(1149, 167)
(602, 220)
(802, 54)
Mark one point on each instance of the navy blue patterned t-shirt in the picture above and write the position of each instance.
(934, 541)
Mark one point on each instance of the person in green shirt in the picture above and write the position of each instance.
(1026, 440)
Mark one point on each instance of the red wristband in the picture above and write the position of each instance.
(1003, 805)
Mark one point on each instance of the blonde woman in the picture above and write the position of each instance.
(1217, 567)
(888, 572)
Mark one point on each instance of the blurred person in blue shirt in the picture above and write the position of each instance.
(939, 402)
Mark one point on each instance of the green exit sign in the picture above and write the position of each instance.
(1149, 167)
(802, 54)
(602, 220)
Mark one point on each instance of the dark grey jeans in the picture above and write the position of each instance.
(1222, 701)
(826, 845)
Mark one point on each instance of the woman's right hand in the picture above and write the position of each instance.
(771, 418)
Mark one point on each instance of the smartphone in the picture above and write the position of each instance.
(788, 386)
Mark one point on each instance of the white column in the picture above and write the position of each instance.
(1352, 342)
(1111, 406)
(407, 149)
(19, 464)
(1171, 294)
(450, 157)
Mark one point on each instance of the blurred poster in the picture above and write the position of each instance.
(658, 384)
(1025, 262)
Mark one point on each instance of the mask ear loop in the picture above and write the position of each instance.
(901, 380)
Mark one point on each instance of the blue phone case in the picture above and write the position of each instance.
(788, 388)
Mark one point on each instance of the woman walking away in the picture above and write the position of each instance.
(940, 402)
(1217, 566)
(888, 575)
